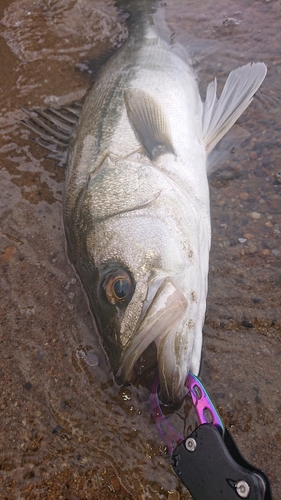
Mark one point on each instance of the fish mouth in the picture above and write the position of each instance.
(162, 325)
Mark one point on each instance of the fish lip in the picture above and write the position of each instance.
(159, 322)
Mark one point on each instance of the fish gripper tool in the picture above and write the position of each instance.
(208, 461)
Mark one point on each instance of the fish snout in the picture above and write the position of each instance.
(161, 325)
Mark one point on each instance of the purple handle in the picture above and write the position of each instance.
(171, 437)
(205, 410)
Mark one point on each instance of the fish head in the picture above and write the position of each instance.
(132, 260)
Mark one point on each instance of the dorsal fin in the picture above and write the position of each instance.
(220, 114)
(149, 122)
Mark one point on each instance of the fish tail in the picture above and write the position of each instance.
(137, 9)
(143, 15)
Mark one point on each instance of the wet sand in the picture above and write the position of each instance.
(67, 430)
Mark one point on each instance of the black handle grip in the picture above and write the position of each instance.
(212, 468)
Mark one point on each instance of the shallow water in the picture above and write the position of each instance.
(68, 431)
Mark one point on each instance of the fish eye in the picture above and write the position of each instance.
(118, 287)
(121, 288)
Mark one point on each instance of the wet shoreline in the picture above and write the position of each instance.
(68, 431)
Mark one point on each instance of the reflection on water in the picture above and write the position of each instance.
(67, 430)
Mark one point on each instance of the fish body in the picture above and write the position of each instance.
(136, 202)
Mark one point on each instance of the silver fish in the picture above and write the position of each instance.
(136, 202)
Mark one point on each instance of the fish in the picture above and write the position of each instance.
(136, 198)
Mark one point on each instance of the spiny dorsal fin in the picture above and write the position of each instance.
(220, 114)
(149, 122)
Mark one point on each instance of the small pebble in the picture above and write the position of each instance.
(253, 155)
(173, 495)
(244, 196)
(242, 240)
(266, 251)
(115, 483)
(277, 177)
(249, 236)
(252, 247)
(255, 215)
(8, 253)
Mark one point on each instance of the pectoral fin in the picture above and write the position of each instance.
(220, 114)
(149, 122)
